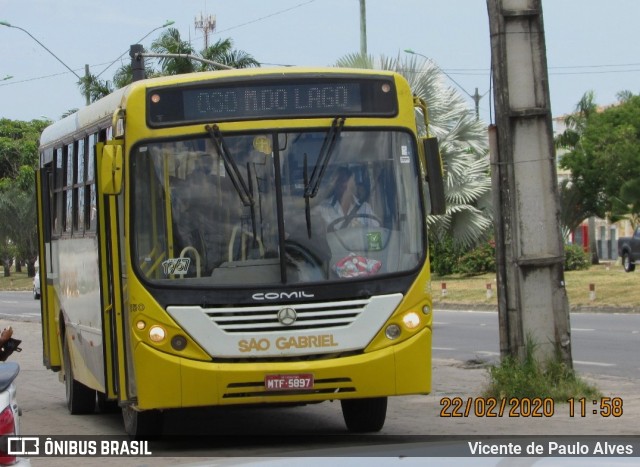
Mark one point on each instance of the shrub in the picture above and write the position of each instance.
(444, 255)
(575, 258)
(480, 260)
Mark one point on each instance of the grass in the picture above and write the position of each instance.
(532, 379)
(16, 281)
(613, 288)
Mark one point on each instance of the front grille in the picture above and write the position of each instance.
(314, 316)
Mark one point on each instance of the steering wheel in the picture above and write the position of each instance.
(332, 227)
(299, 250)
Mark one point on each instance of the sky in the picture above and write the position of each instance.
(591, 45)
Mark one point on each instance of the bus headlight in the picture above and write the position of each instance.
(392, 332)
(426, 309)
(411, 320)
(157, 334)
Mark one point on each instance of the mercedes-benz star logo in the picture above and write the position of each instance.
(287, 316)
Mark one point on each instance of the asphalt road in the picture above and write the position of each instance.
(606, 339)
(602, 343)
(19, 305)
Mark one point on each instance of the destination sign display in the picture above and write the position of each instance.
(303, 98)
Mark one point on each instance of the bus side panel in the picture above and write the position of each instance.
(78, 289)
(413, 365)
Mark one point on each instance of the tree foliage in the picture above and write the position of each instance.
(18, 158)
(606, 157)
(170, 42)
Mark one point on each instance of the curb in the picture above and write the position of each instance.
(458, 306)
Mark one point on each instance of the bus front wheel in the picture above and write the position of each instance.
(80, 398)
(364, 415)
(141, 425)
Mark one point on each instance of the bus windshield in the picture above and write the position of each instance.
(284, 207)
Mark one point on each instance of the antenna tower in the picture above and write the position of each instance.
(207, 24)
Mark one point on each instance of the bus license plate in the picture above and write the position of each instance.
(288, 382)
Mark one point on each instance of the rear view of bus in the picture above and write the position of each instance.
(260, 239)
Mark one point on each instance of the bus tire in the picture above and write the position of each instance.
(105, 405)
(80, 398)
(364, 415)
(140, 425)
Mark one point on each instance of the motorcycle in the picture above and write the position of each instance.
(9, 409)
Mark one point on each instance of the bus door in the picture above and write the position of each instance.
(50, 345)
(109, 158)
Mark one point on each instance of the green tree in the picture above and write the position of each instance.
(223, 52)
(603, 156)
(18, 158)
(96, 88)
(463, 147)
(170, 42)
(576, 122)
(18, 203)
(572, 211)
(18, 145)
(606, 156)
(627, 204)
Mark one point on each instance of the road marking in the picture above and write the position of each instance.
(443, 348)
(582, 329)
(594, 363)
(475, 312)
(486, 352)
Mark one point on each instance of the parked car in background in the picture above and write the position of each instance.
(36, 286)
(629, 250)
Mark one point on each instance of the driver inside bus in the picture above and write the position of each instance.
(206, 208)
(343, 204)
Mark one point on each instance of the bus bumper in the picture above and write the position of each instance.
(167, 381)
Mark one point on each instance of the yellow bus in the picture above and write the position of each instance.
(239, 237)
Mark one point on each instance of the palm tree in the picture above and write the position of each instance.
(570, 139)
(463, 147)
(222, 52)
(170, 42)
(576, 122)
(94, 87)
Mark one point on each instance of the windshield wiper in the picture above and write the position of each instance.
(230, 165)
(312, 185)
(234, 174)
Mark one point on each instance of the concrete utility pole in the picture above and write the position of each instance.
(207, 25)
(87, 75)
(532, 300)
(363, 28)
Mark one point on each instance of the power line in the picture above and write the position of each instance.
(266, 17)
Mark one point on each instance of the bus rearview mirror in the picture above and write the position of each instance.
(435, 177)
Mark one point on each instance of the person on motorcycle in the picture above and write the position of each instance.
(8, 344)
